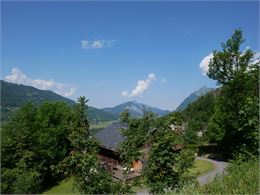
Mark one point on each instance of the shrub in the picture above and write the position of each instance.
(242, 178)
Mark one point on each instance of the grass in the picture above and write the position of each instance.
(64, 187)
(200, 167)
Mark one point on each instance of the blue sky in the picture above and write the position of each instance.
(149, 51)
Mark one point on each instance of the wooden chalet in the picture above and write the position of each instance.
(109, 139)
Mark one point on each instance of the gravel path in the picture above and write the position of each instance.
(142, 192)
(219, 169)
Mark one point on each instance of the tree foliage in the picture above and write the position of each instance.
(234, 123)
(32, 141)
(167, 167)
(227, 64)
(82, 162)
(136, 135)
(53, 136)
(197, 116)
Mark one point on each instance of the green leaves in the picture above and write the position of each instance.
(82, 161)
(167, 166)
(234, 124)
(137, 135)
(227, 63)
(32, 141)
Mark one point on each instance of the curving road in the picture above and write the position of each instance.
(219, 169)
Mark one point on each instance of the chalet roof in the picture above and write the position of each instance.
(110, 137)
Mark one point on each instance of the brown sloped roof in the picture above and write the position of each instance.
(177, 147)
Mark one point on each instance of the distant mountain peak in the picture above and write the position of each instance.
(193, 97)
(135, 108)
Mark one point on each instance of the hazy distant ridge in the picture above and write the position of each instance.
(193, 97)
(135, 108)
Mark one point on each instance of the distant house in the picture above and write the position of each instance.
(177, 128)
(109, 139)
(200, 134)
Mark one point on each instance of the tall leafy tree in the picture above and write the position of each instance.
(233, 124)
(137, 136)
(82, 162)
(52, 137)
(18, 155)
(167, 166)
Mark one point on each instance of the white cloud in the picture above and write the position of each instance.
(97, 44)
(204, 64)
(85, 44)
(124, 93)
(163, 81)
(141, 87)
(256, 58)
(18, 77)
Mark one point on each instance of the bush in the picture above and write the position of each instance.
(27, 182)
(19, 181)
(242, 178)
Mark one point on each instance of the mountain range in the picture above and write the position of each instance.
(14, 96)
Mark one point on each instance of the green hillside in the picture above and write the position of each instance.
(193, 97)
(14, 96)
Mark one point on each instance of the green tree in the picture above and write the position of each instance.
(137, 136)
(52, 137)
(18, 155)
(229, 63)
(233, 124)
(82, 162)
(191, 131)
(167, 165)
(31, 142)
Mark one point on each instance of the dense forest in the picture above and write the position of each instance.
(45, 143)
